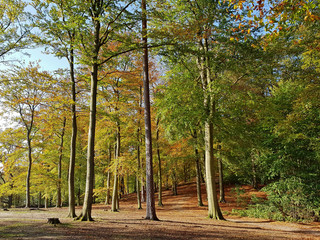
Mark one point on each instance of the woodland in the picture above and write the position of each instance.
(161, 93)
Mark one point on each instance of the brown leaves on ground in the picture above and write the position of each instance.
(180, 218)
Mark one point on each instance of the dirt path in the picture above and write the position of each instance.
(180, 219)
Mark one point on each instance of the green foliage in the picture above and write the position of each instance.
(288, 199)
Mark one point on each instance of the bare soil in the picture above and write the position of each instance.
(180, 218)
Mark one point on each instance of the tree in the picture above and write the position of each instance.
(59, 31)
(151, 210)
(14, 27)
(23, 91)
(104, 26)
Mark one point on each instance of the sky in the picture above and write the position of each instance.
(47, 62)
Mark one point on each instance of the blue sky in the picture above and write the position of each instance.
(48, 62)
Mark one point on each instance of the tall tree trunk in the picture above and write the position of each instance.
(150, 204)
(88, 198)
(39, 200)
(59, 204)
(138, 172)
(73, 144)
(108, 176)
(115, 195)
(29, 169)
(198, 172)
(221, 184)
(107, 202)
(159, 167)
(46, 201)
(209, 104)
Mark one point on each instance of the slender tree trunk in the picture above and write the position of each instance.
(115, 195)
(138, 172)
(254, 172)
(198, 172)
(159, 167)
(29, 169)
(46, 200)
(209, 104)
(39, 200)
(88, 198)
(174, 183)
(108, 177)
(73, 144)
(59, 204)
(221, 184)
(150, 204)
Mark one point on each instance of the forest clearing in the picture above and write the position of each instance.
(180, 218)
(169, 110)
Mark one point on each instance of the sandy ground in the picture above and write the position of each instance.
(180, 218)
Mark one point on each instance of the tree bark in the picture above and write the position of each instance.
(209, 104)
(29, 169)
(88, 198)
(221, 184)
(150, 203)
(115, 200)
(159, 167)
(138, 172)
(73, 144)
(198, 172)
(59, 204)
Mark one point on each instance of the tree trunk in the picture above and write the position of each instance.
(29, 169)
(115, 195)
(209, 104)
(174, 184)
(221, 184)
(213, 206)
(59, 204)
(108, 177)
(138, 172)
(198, 172)
(87, 204)
(39, 200)
(150, 204)
(254, 173)
(73, 144)
(46, 201)
(159, 167)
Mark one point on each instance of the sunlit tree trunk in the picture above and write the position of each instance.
(60, 163)
(88, 198)
(159, 166)
(138, 172)
(29, 169)
(73, 144)
(150, 204)
(115, 194)
(209, 104)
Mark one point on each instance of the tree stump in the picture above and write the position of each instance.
(53, 221)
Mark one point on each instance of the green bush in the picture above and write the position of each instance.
(288, 200)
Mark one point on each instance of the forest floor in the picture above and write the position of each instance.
(180, 218)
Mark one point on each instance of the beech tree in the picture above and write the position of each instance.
(14, 27)
(23, 92)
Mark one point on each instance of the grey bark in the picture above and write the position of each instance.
(59, 204)
(73, 144)
(115, 194)
(209, 104)
(159, 165)
(150, 203)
